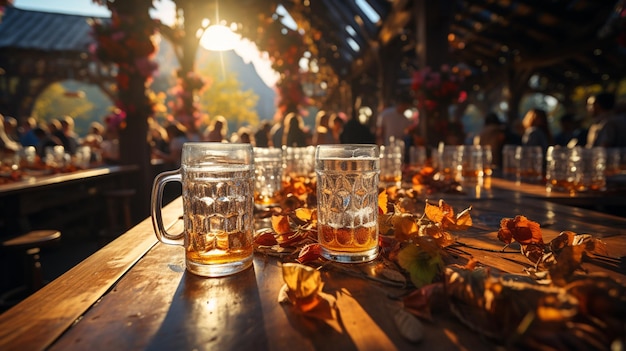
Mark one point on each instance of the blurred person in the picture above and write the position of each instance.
(493, 135)
(277, 131)
(26, 131)
(536, 129)
(608, 128)
(322, 134)
(44, 139)
(110, 145)
(243, 135)
(337, 124)
(571, 131)
(217, 131)
(56, 129)
(294, 133)
(392, 122)
(157, 138)
(355, 132)
(177, 135)
(70, 138)
(262, 135)
(455, 133)
(413, 138)
(93, 138)
(7, 145)
(10, 128)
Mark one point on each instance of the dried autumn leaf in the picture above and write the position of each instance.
(420, 301)
(520, 229)
(534, 252)
(303, 285)
(265, 238)
(444, 213)
(306, 214)
(423, 265)
(569, 260)
(437, 213)
(435, 231)
(385, 224)
(463, 220)
(382, 202)
(292, 238)
(404, 226)
(309, 253)
(281, 224)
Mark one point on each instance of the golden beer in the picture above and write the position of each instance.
(348, 239)
(347, 201)
(219, 225)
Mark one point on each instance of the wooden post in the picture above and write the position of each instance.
(432, 26)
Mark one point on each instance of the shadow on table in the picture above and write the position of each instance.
(213, 313)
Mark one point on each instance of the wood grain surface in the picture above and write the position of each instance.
(136, 294)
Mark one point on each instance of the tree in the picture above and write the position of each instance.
(56, 102)
(224, 96)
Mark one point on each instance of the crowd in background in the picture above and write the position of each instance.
(607, 129)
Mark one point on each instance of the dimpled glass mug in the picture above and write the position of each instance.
(218, 204)
(347, 201)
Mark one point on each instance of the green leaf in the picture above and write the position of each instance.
(422, 266)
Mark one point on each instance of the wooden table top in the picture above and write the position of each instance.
(35, 182)
(135, 293)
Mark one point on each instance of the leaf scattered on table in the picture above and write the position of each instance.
(520, 229)
(309, 253)
(444, 213)
(303, 289)
(422, 264)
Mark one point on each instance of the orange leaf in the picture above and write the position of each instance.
(306, 214)
(463, 220)
(444, 214)
(266, 239)
(521, 230)
(382, 202)
(437, 213)
(310, 252)
(281, 224)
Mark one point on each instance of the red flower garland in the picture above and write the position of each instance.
(438, 89)
(127, 41)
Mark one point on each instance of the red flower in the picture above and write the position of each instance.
(438, 88)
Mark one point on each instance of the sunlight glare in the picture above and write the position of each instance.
(219, 38)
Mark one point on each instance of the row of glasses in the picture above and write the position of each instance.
(418, 157)
(615, 161)
(391, 161)
(523, 163)
(218, 182)
(576, 169)
(469, 164)
(298, 161)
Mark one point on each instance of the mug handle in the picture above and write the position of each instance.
(156, 206)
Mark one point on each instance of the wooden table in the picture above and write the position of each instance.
(135, 294)
(43, 201)
(613, 200)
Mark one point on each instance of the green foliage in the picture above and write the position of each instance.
(423, 266)
(85, 103)
(224, 96)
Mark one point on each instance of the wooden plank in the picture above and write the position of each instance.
(48, 180)
(36, 322)
(159, 306)
(155, 304)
